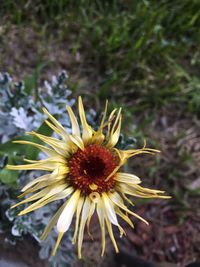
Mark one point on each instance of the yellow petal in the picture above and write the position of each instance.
(109, 209)
(65, 136)
(35, 181)
(52, 222)
(84, 216)
(55, 122)
(127, 199)
(115, 197)
(98, 137)
(134, 190)
(77, 141)
(91, 212)
(55, 176)
(127, 178)
(62, 169)
(112, 114)
(51, 195)
(37, 187)
(56, 159)
(115, 136)
(104, 116)
(78, 213)
(115, 132)
(45, 164)
(60, 236)
(148, 190)
(34, 197)
(59, 146)
(126, 154)
(46, 183)
(124, 217)
(75, 126)
(110, 213)
(44, 149)
(44, 201)
(100, 214)
(65, 218)
(110, 231)
(87, 130)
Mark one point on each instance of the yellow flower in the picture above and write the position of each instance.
(84, 168)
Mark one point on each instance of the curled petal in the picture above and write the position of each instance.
(75, 126)
(46, 150)
(87, 130)
(91, 212)
(46, 164)
(60, 128)
(115, 197)
(138, 191)
(124, 217)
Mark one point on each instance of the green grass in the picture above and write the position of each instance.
(142, 50)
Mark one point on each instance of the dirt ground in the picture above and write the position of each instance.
(24, 252)
(172, 238)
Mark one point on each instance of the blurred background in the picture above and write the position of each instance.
(141, 55)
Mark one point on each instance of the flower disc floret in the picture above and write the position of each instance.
(89, 168)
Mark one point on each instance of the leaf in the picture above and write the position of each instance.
(16, 152)
(10, 149)
(8, 177)
(20, 118)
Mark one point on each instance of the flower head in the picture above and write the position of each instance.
(84, 171)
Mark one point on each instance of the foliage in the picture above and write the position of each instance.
(122, 50)
(20, 112)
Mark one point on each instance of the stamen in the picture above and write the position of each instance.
(93, 186)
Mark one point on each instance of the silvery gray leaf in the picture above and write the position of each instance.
(20, 119)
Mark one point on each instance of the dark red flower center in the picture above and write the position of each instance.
(88, 169)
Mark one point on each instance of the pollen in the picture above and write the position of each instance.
(89, 168)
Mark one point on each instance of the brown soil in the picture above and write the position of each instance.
(25, 251)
